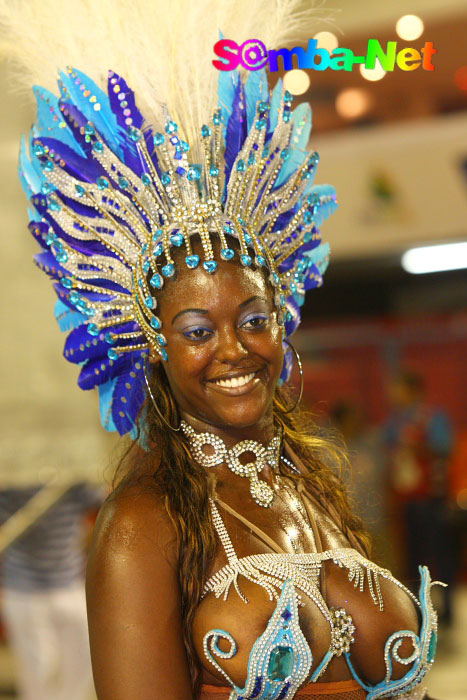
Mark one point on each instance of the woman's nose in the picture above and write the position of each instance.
(230, 347)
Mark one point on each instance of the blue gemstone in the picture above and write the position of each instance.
(194, 172)
(165, 179)
(227, 253)
(38, 149)
(432, 647)
(313, 200)
(286, 116)
(205, 131)
(158, 138)
(74, 297)
(261, 124)
(112, 354)
(216, 118)
(241, 166)
(102, 183)
(161, 339)
(178, 154)
(171, 127)
(263, 107)
(210, 266)
(149, 302)
(286, 614)
(168, 270)
(308, 217)
(276, 278)
(184, 146)
(177, 239)
(135, 134)
(248, 238)
(251, 159)
(163, 354)
(98, 147)
(158, 250)
(192, 261)
(228, 229)
(49, 166)
(289, 316)
(180, 171)
(89, 130)
(293, 287)
(281, 663)
(258, 686)
(174, 140)
(156, 281)
(54, 205)
(145, 179)
(108, 337)
(288, 97)
(285, 153)
(47, 188)
(246, 260)
(157, 235)
(241, 221)
(123, 183)
(213, 171)
(260, 260)
(80, 190)
(67, 282)
(92, 329)
(265, 152)
(146, 266)
(156, 323)
(50, 238)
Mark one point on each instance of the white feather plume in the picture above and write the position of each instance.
(163, 48)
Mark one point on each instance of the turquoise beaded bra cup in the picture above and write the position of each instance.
(280, 659)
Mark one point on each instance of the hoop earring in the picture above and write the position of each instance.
(289, 410)
(175, 430)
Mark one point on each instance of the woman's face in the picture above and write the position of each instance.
(224, 346)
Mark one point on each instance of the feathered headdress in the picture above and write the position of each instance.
(113, 191)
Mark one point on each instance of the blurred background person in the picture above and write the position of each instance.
(43, 598)
(420, 442)
(366, 474)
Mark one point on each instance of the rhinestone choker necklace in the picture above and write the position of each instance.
(261, 492)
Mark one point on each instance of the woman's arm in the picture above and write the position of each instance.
(133, 600)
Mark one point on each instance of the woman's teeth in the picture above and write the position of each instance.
(235, 381)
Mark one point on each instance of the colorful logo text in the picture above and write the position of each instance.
(253, 55)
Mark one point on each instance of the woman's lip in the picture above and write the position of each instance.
(235, 390)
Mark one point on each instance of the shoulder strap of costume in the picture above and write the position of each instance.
(258, 532)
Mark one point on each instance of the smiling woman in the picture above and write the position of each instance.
(227, 561)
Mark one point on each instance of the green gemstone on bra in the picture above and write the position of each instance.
(432, 646)
(281, 663)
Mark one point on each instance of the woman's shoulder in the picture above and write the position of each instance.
(134, 518)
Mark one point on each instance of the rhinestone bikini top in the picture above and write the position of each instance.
(280, 659)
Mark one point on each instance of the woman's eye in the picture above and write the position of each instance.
(197, 333)
(255, 322)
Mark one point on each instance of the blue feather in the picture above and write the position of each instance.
(276, 98)
(50, 121)
(103, 119)
(256, 89)
(301, 120)
(30, 179)
(226, 85)
(105, 405)
(67, 318)
(236, 130)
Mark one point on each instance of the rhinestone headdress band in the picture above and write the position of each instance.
(113, 198)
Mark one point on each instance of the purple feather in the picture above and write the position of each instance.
(237, 129)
